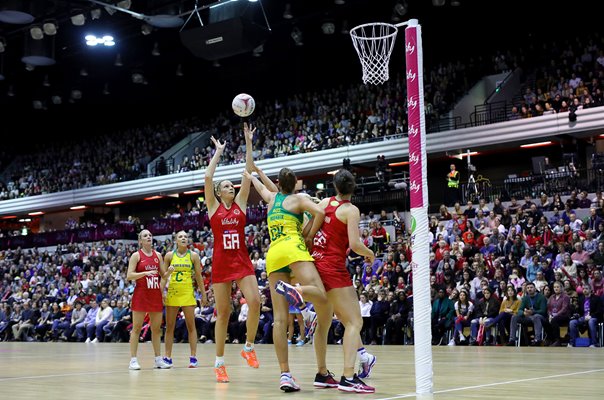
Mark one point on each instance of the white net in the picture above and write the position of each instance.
(374, 43)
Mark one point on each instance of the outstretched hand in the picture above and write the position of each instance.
(219, 146)
(247, 175)
(248, 131)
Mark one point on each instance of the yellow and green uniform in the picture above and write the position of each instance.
(180, 287)
(287, 243)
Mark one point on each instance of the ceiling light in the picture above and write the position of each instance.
(257, 52)
(538, 144)
(106, 89)
(83, 72)
(297, 36)
(29, 67)
(328, 28)
(155, 51)
(110, 10)
(438, 3)
(46, 81)
(11, 91)
(455, 3)
(16, 12)
(95, 13)
(137, 77)
(124, 4)
(287, 14)
(37, 104)
(114, 203)
(345, 30)
(216, 64)
(78, 18)
(36, 213)
(56, 100)
(146, 29)
(401, 8)
(339, 2)
(118, 60)
(77, 207)
(76, 94)
(36, 32)
(50, 27)
(179, 70)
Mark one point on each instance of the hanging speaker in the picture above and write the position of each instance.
(232, 28)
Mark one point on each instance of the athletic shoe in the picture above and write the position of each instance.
(95, 340)
(325, 381)
(367, 365)
(288, 384)
(192, 362)
(134, 365)
(354, 385)
(250, 357)
(311, 324)
(87, 340)
(161, 364)
(300, 343)
(221, 374)
(168, 360)
(294, 298)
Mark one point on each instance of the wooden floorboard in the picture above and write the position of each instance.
(100, 371)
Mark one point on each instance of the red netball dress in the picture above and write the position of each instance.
(147, 293)
(231, 260)
(329, 248)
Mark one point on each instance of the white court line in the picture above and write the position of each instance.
(402, 396)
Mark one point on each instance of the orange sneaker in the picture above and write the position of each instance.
(221, 374)
(250, 357)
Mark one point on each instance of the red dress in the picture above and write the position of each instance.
(147, 293)
(230, 260)
(329, 248)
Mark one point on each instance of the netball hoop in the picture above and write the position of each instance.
(374, 43)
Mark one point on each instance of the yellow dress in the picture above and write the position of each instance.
(181, 292)
(287, 243)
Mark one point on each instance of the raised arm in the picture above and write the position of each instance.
(211, 201)
(244, 191)
(266, 195)
(318, 215)
(270, 185)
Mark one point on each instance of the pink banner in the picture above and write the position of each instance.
(413, 114)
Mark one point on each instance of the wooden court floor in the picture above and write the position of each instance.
(100, 371)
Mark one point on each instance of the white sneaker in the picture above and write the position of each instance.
(95, 340)
(134, 365)
(87, 340)
(451, 342)
(209, 341)
(161, 364)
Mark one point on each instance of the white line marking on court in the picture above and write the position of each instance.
(401, 396)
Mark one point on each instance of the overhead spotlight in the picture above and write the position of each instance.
(46, 81)
(83, 72)
(328, 28)
(345, 30)
(56, 100)
(76, 94)
(146, 29)
(339, 2)
(11, 91)
(29, 67)
(257, 52)
(455, 3)
(106, 89)
(95, 13)
(2, 45)
(179, 70)
(155, 51)
(124, 4)
(297, 36)
(216, 64)
(37, 104)
(438, 3)
(110, 10)
(50, 27)
(36, 32)
(78, 18)
(287, 14)
(401, 8)
(16, 12)
(137, 77)
(118, 60)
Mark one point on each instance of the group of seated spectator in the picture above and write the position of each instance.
(480, 279)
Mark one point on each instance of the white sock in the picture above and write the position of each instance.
(219, 361)
(305, 313)
(133, 359)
